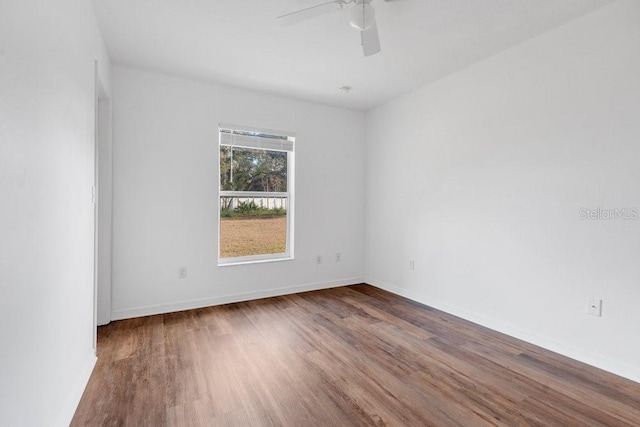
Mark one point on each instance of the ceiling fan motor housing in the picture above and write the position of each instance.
(362, 16)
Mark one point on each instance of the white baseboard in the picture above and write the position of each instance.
(69, 409)
(622, 369)
(129, 313)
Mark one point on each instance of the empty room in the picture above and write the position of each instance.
(320, 213)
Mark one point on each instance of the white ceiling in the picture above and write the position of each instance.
(238, 42)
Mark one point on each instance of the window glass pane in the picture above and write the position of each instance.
(252, 226)
(255, 197)
(247, 169)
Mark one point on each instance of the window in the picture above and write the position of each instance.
(256, 195)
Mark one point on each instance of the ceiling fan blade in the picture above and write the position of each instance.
(370, 40)
(308, 13)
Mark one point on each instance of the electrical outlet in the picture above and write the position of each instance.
(318, 259)
(338, 256)
(182, 272)
(412, 265)
(594, 306)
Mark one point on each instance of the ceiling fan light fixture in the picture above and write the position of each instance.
(363, 16)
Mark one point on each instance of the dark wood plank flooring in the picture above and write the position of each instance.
(348, 356)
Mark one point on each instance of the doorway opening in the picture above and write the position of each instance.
(103, 207)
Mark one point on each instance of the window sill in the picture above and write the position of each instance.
(239, 261)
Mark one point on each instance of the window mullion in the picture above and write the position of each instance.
(254, 194)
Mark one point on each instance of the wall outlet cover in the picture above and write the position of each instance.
(594, 306)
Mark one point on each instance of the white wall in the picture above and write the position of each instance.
(166, 193)
(47, 54)
(484, 172)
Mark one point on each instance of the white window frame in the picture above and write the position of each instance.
(289, 194)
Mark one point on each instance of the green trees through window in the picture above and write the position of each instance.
(248, 169)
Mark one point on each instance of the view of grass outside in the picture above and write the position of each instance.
(245, 236)
(249, 229)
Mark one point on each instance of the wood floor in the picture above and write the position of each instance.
(347, 356)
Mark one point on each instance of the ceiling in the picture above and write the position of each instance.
(239, 42)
